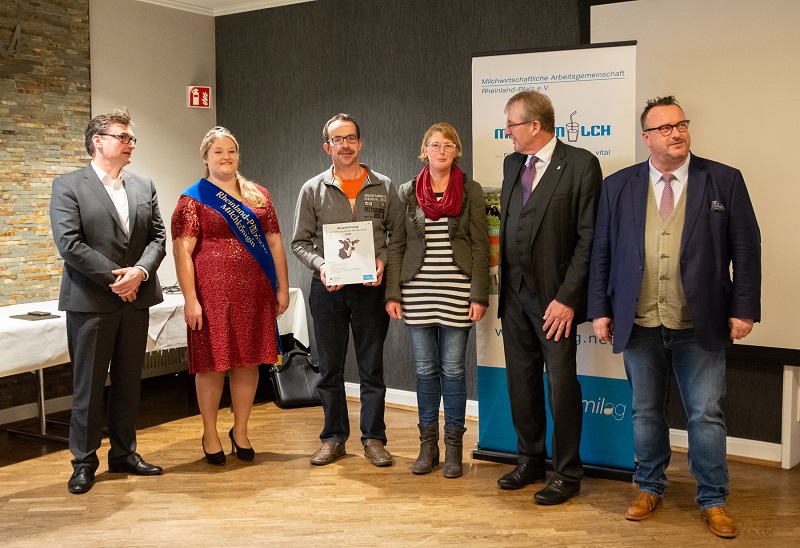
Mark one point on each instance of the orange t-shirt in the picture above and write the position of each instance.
(351, 187)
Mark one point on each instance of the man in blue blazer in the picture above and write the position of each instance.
(108, 229)
(661, 289)
(548, 204)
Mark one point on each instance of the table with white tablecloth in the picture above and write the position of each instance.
(32, 345)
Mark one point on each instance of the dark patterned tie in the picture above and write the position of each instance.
(667, 197)
(527, 179)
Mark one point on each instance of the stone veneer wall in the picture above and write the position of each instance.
(45, 104)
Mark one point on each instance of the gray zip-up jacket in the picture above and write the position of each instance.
(469, 238)
(322, 202)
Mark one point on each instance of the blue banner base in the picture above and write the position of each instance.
(607, 435)
(594, 471)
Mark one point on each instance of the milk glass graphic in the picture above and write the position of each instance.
(572, 128)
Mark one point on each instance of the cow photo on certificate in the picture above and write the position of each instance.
(349, 253)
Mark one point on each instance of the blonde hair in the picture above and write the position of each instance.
(250, 194)
(449, 132)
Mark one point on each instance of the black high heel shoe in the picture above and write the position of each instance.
(216, 459)
(242, 453)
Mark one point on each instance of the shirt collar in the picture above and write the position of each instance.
(106, 179)
(545, 153)
(681, 174)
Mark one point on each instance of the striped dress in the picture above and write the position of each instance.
(439, 294)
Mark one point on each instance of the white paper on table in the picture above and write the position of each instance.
(349, 253)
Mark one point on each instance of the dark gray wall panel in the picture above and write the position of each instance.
(398, 67)
(752, 403)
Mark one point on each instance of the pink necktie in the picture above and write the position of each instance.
(667, 197)
(527, 179)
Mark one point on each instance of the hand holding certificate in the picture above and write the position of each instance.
(349, 253)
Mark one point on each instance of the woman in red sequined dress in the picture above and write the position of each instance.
(231, 308)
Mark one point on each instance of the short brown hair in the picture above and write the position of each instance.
(667, 101)
(341, 117)
(448, 131)
(535, 106)
(100, 124)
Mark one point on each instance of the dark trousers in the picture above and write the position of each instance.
(360, 308)
(100, 345)
(527, 350)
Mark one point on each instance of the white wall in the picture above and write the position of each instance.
(734, 65)
(143, 56)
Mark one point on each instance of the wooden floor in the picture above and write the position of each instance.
(281, 500)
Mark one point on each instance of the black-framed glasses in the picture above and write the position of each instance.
(509, 126)
(666, 129)
(338, 140)
(123, 138)
(438, 147)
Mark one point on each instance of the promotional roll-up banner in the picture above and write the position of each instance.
(593, 90)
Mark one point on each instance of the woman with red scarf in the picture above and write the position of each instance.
(437, 280)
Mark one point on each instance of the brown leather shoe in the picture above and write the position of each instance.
(720, 521)
(377, 453)
(329, 452)
(642, 506)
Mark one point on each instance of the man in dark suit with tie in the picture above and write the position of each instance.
(548, 203)
(661, 289)
(108, 229)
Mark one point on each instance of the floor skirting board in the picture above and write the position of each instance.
(737, 447)
(406, 398)
(29, 410)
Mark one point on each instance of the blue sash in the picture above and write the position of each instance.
(245, 226)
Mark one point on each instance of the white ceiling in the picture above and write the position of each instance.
(222, 7)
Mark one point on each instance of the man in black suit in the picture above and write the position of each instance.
(108, 229)
(548, 204)
(668, 231)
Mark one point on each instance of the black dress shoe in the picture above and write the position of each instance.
(133, 464)
(216, 459)
(558, 491)
(242, 453)
(82, 480)
(521, 475)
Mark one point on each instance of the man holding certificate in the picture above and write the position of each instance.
(335, 211)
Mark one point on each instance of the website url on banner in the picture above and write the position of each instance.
(579, 339)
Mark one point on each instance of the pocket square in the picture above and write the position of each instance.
(716, 206)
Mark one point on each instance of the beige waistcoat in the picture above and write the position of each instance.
(662, 300)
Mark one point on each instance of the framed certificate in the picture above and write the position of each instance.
(349, 253)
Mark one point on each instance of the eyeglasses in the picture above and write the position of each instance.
(338, 140)
(438, 147)
(666, 129)
(123, 138)
(509, 126)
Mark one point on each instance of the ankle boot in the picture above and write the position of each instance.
(453, 444)
(428, 449)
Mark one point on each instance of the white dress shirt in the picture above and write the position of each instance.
(678, 184)
(116, 191)
(544, 156)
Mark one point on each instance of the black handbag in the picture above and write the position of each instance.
(296, 380)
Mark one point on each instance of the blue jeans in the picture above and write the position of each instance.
(439, 355)
(650, 355)
(361, 308)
